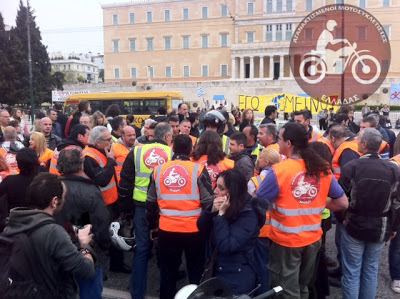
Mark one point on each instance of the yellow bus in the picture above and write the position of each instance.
(140, 104)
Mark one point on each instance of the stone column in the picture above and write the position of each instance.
(233, 76)
(241, 67)
(271, 67)
(251, 67)
(281, 62)
(261, 67)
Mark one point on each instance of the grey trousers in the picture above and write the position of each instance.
(292, 269)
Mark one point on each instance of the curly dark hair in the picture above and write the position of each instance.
(210, 144)
(113, 111)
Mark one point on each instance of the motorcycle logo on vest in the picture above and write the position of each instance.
(11, 160)
(339, 54)
(175, 178)
(304, 188)
(213, 171)
(154, 157)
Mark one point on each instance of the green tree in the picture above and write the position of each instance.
(57, 80)
(80, 78)
(19, 58)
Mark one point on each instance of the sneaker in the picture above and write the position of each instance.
(395, 286)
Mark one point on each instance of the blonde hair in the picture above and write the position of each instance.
(40, 143)
(94, 119)
(231, 119)
(251, 121)
(270, 155)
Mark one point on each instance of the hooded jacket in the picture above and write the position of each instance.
(58, 259)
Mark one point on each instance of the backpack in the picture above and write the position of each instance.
(20, 275)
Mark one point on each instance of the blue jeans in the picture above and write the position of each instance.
(140, 258)
(394, 257)
(360, 267)
(261, 255)
(91, 288)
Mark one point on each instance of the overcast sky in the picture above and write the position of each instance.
(66, 25)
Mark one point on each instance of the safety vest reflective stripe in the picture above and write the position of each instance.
(384, 145)
(298, 212)
(180, 213)
(108, 187)
(120, 163)
(225, 144)
(314, 136)
(336, 170)
(295, 230)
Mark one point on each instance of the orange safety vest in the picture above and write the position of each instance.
(338, 153)
(314, 136)
(214, 170)
(396, 159)
(54, 160)
(326, 141)
(384, 144)
(296, 212)
(275, 146)
(178, 195)
(264, 231)
(44, 159)
(120, 153)
(11, 160)
(110, 193)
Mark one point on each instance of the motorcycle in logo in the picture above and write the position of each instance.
(304, 188)
(154, 157)
(11, 160)
(175, 177)
(213, 171)
(330, 55)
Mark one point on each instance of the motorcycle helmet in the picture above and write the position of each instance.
(122, 236)
(215, 119)
(185, 292)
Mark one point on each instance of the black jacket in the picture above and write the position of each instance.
(100, 176)
(53, 141)
(244, 164)
(57, 257)
(373, 186)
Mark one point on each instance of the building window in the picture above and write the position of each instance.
(289, 32)
(224, 10)
(204, 70)
(168, 72)
(116, 46)
(362, 3)
(250, 8)
(204, 12)
(289, 5)
(278, 36)
(339, 1)
(224, 70)
(115, 19)
(250, 37)
(116, 73)
(224, 40)
(268, 35)
(186, 71)
(308, 34)
(149, 16)
(309, 5)
(167, 15)
(204, 41)
(69, 67)
(167, 42)
(186, 42)
(133, 73)
(132, 45)
(77, 67)
(278, 5)
(131, 18)
(362, 32)
(150, 70)
(387, 30)
(269, 6)
(150, 44)
(386, 3)
(185, 14)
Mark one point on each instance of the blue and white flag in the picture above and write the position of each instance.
(200, 92)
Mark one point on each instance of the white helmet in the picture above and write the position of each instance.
(121, 242)
(185, 292)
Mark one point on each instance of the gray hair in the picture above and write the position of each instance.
(149, 121)
(271, 129)
(70, 161)
(161, 130)
(373, 139)
(96, 134)
(10, 133)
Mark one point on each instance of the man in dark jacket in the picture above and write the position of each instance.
(373, 215)
(84, 205)
(58, 259)
(46, 126)
(270, 115)
(61, 117)
(243, 163)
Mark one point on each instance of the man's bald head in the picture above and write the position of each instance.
(129, 135)
(45, 126)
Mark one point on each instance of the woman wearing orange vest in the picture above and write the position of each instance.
(297, 190)
(268, 157)
(208, 152)
(38, 144)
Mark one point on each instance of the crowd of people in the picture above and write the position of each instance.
(251, 204)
